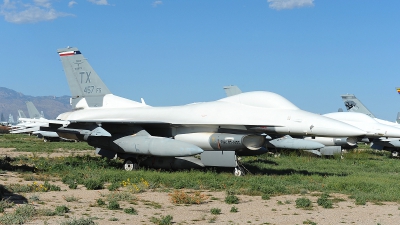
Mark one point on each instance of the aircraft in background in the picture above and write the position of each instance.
(392, 143)
(334, 145)
(166, 137)
(32, 124)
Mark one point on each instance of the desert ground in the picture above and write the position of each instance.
(157, 203)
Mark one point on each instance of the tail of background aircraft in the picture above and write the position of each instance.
(32, 111)
(232, 90)
(354, 105)
(398, 118)
(21, 114)
(87, 89)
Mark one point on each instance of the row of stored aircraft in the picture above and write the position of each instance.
(169, 137)
(31, 125)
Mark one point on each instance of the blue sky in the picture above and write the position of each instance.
(184, 51)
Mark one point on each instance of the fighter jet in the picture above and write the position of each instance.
(168, 136)
(279, 141)
(375, 130)
(32, 124)
(389, 143)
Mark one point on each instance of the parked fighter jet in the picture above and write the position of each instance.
(390, 143)
(316, 145)
(286, 141)
(166, 136)
(32, 124)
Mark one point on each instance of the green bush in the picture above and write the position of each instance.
(113, 186)
(303, 203)
(21, 215)
(113, 205)
(324, 201)
(80, 221)
(164, 220)
(73, 186)
(5, 204)
(231, 199)
(234, 209)
(131, 211)
(61, 210)
(93, 184)
(265, 196)
(215, 211)
(100, 202)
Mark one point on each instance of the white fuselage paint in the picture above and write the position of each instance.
(261, 109)
(366, 123)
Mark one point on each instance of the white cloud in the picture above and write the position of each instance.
(33, 12)
(72, 3)
(99, 2)
(157, 3)
(289, 4)
(43, 3)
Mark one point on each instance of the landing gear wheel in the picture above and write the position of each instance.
(130, 164)
(238, 172)
(45, 140)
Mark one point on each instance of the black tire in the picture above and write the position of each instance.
(131, 164)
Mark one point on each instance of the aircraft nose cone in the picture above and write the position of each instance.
(389, 131)
(334, 128)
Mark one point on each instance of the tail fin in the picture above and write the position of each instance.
(32, 111)
(354, 105)
(398, 118)
(21, 114)
(10, 119)
(83, 81)
(87, 89)
(232, 90)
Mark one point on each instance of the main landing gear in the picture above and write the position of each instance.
(131, 164)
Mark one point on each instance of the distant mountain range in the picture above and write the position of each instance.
(11, 101)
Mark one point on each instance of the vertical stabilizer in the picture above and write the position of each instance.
(11, 119)
(398, 118)
(21, 114)
(354, 105)
(32, 111)
(232, 90)
(83, 81)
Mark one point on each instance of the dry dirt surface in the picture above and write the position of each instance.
(157, 203)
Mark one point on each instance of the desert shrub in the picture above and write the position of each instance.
(324, 201)
(73, 185)
(120, 196)
(93, 184)
(181, 197)
(231, 199)
(100, 202)
(265, 196)
(45, 212)
(234, 209)
(113, 205)
(5, 204)
(303, 203)
(61, 210)
(80, 221)
(131, 211)
(113, 186)
(163, 220)
(215, 211)
(21, 215)
(70, 198)
(34, 187)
